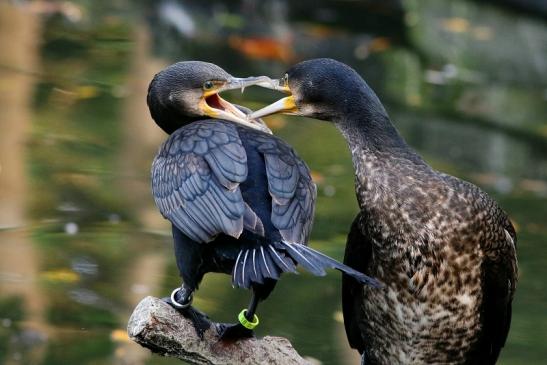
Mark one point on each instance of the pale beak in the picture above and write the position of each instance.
(242, 83)
(286, 105)
(216, 107)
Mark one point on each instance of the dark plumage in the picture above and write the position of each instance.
(240, 200)
(444, 249)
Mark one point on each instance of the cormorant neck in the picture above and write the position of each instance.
(383, 161)
(366, 127)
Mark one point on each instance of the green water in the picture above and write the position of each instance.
(80, 239)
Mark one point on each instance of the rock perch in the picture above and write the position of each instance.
(160, 328)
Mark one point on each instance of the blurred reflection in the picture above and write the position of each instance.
(140, 137)
(139, 140)
(22, 301)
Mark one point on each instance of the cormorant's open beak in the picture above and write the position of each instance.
(286, 105)
(216, 107)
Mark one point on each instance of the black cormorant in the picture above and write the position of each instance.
(444, 249)
(240, 200)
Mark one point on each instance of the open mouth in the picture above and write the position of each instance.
(215, 102)
(212, 105)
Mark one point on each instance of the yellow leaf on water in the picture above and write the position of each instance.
(87, 91)
(119, 335)
(455, 25)
(61, 276)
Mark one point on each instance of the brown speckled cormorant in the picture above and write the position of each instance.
(444, 249)
(240, 200)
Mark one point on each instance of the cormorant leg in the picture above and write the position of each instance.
(181, 299)
(250, 313)
(247, 321)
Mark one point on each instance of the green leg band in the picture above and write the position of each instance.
(245, 322)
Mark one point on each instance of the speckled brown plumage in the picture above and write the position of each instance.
(440, 245)
(443, 248)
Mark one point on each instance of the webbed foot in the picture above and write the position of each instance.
(233, 332)
(199, 319)
(243, 329)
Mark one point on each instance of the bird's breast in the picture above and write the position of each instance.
(413, 315)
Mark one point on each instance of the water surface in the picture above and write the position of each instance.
(81, 241)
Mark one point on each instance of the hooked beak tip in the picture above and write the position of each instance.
(242, 83)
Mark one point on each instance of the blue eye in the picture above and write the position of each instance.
(208, 85)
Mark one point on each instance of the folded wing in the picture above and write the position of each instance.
(196, 177)
(290, 185)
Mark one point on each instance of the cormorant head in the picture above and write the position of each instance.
(322, 88)
(189, 91)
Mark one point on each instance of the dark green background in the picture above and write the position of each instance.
(465, 84)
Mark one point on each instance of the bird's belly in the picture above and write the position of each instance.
(433, 324)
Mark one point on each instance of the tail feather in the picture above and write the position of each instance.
(325, 262)
(252, 269)
(245, 272)
(307, 261)
(285, 263)
(268, 266)
(254, 265)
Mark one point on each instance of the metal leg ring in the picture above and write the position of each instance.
(179, 305)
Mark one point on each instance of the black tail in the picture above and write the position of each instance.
(253, 265)
(316, 263)
(269, 261)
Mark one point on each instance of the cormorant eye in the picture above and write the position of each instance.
(208, 85)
